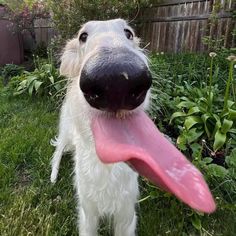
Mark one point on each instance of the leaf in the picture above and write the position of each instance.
(184, 98)
(30, 89)
(231, 159)
(181, 142)
(37, 85)
(191, 121)
(217, 119)
(217, 124)
(51, 78)
(196, 150)
(153, 194)
(193, 110)
(186, 104)
(47, 68)
(42, 75)
(217, 171)
(19, 92)
(30, 79)
(177, 114)
(230, 103)
(205, 117)
(219, 141)
(193, 135)
(207, 160)
(196, 222)
(226, 126)
(57, 86)
(23, 83)
(211, 98)
(204, 100)
(232, 131)
(232, 114)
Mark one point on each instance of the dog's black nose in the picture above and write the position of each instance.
(115, 79)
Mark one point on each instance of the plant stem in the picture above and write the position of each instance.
(233, 83)
(210, 84)
(229, 81)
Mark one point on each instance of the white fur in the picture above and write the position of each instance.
(102, 190)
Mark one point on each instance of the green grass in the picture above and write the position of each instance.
(31, 205)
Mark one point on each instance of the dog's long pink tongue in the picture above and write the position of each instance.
(136, 140)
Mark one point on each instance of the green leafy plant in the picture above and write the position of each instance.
(223, 177)
(44, 80)
(10, 70)
(201, 116)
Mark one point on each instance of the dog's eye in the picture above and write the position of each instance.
(128, 34)
(83, 37)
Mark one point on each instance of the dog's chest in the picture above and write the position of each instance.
(109, 186)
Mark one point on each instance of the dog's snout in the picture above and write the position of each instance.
(115, 79)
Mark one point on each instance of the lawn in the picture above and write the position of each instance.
(31, 205)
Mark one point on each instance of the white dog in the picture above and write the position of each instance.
(102, 189)
(101, 118)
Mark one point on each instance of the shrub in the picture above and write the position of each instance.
(23, 13)
(203, 114)
(69, 15)
(198, 99)
(45, 80)
(10, 70)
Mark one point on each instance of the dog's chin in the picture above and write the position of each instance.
(119, 114)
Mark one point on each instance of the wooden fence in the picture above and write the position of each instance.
(44, 32)
(181, 25)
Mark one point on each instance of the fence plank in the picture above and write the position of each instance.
(183, 24)
(175, 2)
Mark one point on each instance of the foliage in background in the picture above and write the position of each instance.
(203, 114)
(45, 80)
(193, 89)
(23, 14)
(202, 97)
(69, 15)
(9, 71)
(213, 42)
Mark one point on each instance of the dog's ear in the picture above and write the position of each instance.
(70, 59)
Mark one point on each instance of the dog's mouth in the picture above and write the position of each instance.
(134, 139)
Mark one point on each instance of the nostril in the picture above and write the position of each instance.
(93, 93)
(92, 96)
(138, 93)
(141, 95)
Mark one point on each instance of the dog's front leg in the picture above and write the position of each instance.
(125, 221)
(88, 220)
